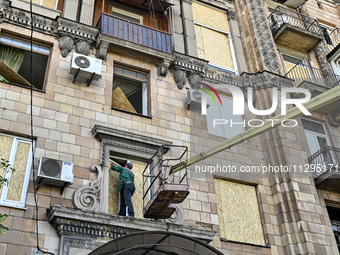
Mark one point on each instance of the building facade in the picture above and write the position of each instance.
(115, 81)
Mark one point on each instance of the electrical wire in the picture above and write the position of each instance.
(32, 136)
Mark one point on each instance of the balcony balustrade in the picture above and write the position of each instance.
(325, 165)
(294, 29)
(135, 33)
(304, 73)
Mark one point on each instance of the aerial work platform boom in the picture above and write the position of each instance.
(161, 193)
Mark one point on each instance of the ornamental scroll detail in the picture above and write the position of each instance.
(88, 197)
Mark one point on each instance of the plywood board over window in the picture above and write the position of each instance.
(137, 198)
(238, 212)
(210, 16)
(220, 53)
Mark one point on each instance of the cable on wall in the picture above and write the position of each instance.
(38, 249)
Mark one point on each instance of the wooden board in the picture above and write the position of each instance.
(120, 101)
(12, 76)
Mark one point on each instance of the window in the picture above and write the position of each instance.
(137, 198)
(315, 134)
(130, 90)
(333, 210)
(18, 151)
(47, 3)
(230, 126)
(127, 15)
(211, 26)
(238, 212)
(15, 53)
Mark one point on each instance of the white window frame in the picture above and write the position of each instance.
(315, 135)
(231, 45)
(5, 187)
(129, 14)
(223, 130)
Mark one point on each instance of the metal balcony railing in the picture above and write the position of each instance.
(333, 39)
(135, 33)
(325, 159)
(281, 16)
(301, 72)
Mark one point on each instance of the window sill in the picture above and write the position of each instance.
(137, 114)
(23, 86)
(257, 245)
(13, 206)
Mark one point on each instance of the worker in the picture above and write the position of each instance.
(126, 188)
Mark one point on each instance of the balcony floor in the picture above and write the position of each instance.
(297, 38)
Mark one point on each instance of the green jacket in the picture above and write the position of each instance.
(126, 175)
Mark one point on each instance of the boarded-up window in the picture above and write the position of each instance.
(238, 212)
(47, 3)
(137, 198)
(211, 26)
(17, 151)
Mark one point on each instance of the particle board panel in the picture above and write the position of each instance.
(238, 212)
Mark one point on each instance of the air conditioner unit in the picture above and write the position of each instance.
(194, 99)
(85, 66)
(54, 172)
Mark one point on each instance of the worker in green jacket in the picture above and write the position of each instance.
(126, 188)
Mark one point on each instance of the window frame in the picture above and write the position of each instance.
(8, 175)
(231, 45)
(221, 111)
(147, 81)
(316, 134)
(49, 55)
(128, 14)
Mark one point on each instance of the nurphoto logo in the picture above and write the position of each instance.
(238, 102)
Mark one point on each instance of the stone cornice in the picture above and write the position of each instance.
(105, 133)
(77, 30)
(96, 224)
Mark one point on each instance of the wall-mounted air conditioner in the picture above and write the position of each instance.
(85, 66)
(194, 99)
(55, 173)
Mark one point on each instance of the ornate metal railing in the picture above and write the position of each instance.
(333, 39)
(325, 159)
(281, 16)
(135, 33)
(301, 72)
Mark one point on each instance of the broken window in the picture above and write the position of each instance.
(15, 59)
(130, 90)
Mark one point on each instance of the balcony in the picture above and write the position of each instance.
(134, 36)
(295, 30)
(325, 165)
(333, 42)
(310, 77)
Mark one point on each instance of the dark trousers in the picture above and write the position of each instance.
(125, 200)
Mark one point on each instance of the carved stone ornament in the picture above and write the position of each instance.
(76, 30)
(88, 197)
(177, 217)
(23, 18)
(180, 78)
(334, 118)
(65, 45)
(231, 14)
(195, 80)
(83, 47)
(263, 35)
(164, 67)
(102, 49)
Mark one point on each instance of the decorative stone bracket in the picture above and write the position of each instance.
(72, 33)
(188, 67)
(88, 197)
(334, 118)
